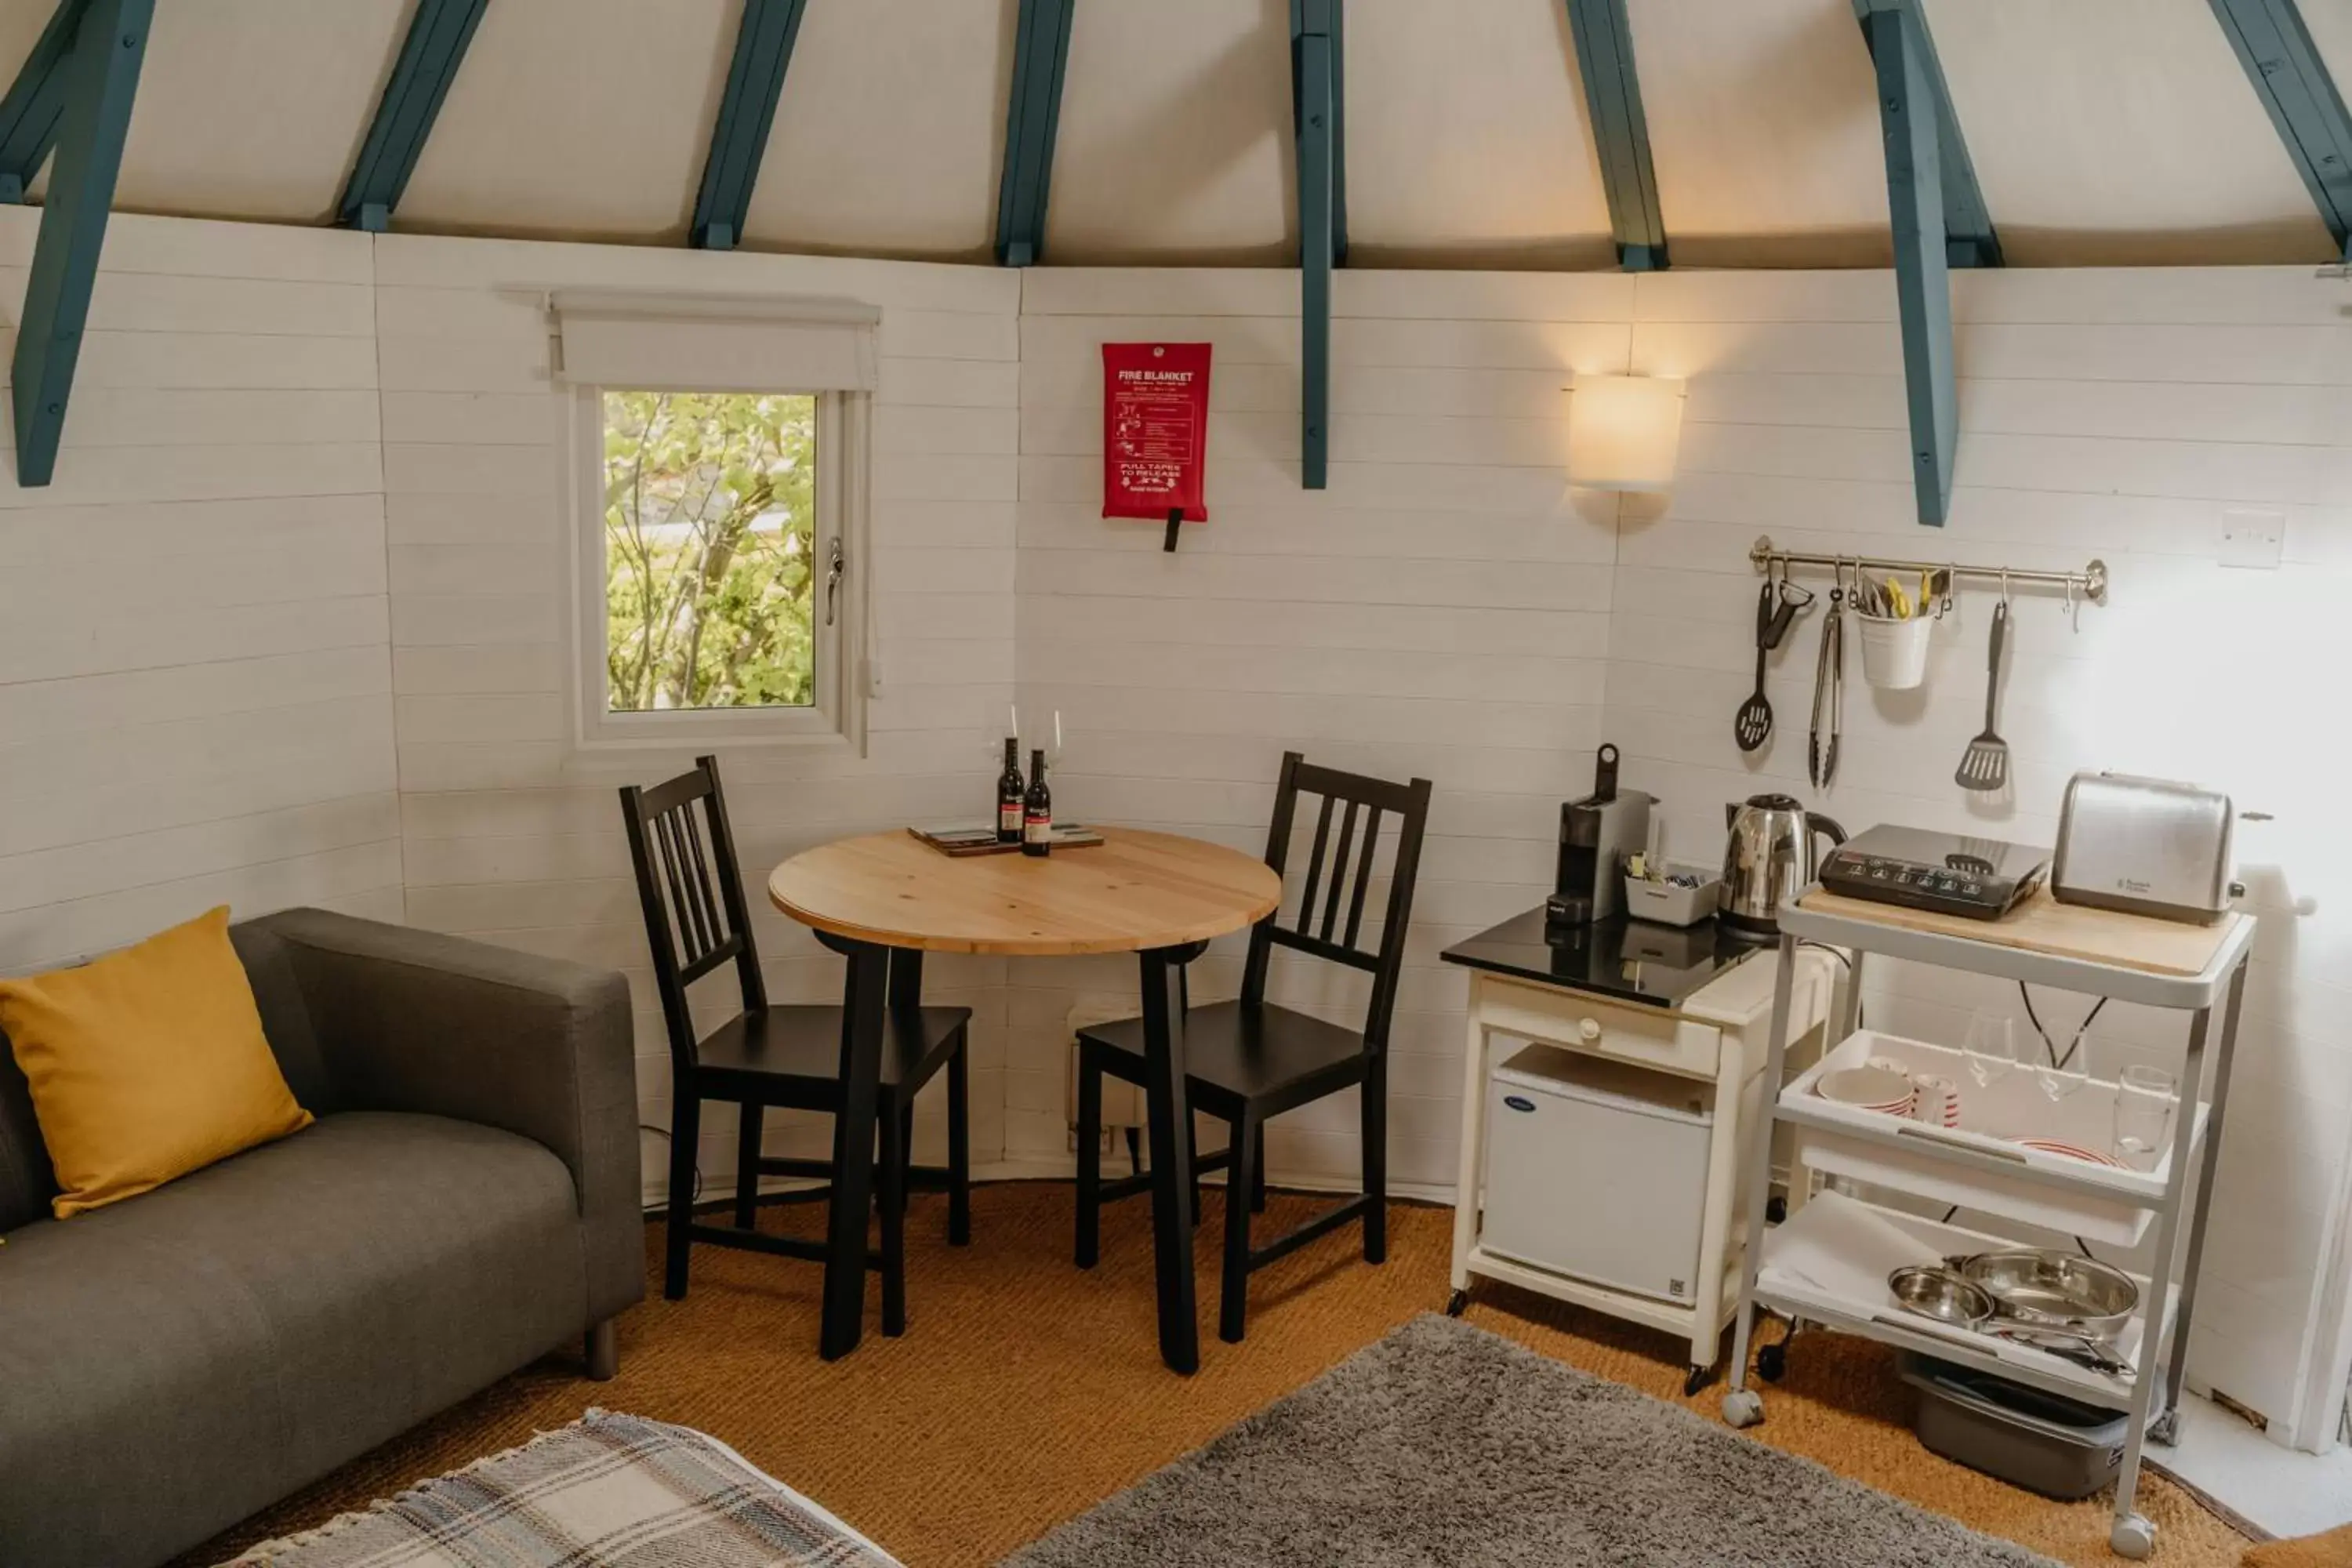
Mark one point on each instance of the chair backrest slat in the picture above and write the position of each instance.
(690, 935)
(1363, 877)
(1315, 866)
(695, 916)
(699, 878)
(1338, 872)
(1317, 932)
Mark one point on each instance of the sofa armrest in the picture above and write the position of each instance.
(412, 1020)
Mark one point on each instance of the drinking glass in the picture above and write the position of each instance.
(2059, 1080)
(2145, 1096)
(1992, 1048)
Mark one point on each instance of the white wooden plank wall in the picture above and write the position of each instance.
(194, 684)
(310, 525)
(1441, 610)
(510, 839)
(2107, 413)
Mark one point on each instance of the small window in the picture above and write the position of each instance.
(714, 563)
(709, 550)
(721, 453)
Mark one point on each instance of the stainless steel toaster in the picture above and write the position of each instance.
(2149, 847)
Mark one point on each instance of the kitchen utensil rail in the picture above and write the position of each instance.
(2111, 957)
(2090, 582)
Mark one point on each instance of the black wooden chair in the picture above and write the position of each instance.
(785, 1056)
(1247, 1061)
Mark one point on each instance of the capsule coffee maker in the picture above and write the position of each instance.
(1596, 835)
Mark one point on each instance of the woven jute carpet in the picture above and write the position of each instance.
(2332, 1550)
(1025, 1390)
(1445, 1443)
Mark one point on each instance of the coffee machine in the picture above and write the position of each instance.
(1596, 836)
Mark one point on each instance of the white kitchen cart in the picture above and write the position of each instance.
(1819, 1265)
(1715, 1037)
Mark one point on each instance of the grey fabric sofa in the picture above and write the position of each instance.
(466, 1201)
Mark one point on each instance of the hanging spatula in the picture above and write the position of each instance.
(1752, 725)
(1985, 765)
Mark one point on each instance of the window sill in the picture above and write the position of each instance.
(675, 732)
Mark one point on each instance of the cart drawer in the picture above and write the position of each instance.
(1650, 1037)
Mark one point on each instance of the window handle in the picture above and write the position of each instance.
(832, 583)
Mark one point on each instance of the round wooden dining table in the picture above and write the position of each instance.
(884, 900)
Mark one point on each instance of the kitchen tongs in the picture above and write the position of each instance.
(1829, 694)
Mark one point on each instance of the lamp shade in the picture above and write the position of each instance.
(1622, 431)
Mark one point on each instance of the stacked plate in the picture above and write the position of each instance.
(1867, 1088)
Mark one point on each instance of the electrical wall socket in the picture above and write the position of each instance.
(2252, 538)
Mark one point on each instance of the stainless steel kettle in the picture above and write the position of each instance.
(1770, 858)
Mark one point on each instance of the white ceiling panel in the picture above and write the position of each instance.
(582, 119)
(889, 138)
(247, 109)
(1502, 174)
(2120, 132)
(1174, 142)
(1764, 128)
(2103, 131)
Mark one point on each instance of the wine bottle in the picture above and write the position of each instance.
(1038, 809)
(1008, 794)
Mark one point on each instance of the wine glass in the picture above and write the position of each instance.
(1992, 1048)
(2145, 1098)
(2065, 1072)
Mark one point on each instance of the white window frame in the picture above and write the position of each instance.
(840, 603)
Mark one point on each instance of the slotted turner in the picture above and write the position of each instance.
(1985, 765)
(1752, 725)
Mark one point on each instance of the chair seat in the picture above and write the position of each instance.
(1235, 1054)
(804, 1044)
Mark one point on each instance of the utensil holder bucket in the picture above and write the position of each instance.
(1894, 652)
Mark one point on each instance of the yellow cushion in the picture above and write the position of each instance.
(147, 1064)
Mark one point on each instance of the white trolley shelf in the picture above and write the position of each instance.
(1828, 1263)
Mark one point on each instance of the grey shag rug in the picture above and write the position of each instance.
(1444, 1445)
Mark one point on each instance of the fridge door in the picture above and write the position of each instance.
(1597, 1170)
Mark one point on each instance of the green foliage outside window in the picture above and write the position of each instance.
(710, 530)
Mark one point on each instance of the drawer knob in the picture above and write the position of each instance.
(1589, 1029)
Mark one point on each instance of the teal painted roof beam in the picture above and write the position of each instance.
(1969, 239)
(438, 35)
(2281, 60)
(28, 115)
(1315, 110)
(1917, 204)
(747, 109)
(99, 76)
(1040, 58)
(1621, 133)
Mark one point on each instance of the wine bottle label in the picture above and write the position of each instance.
(1038, 828)
(1008, 816)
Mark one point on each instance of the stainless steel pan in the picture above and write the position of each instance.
(2042, 1287)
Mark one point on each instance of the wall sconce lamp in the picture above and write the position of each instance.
(1622, 431)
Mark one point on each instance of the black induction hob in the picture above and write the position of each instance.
(1637, 961)
(1954, 874)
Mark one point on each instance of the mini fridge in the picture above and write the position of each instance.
(1597, 1170)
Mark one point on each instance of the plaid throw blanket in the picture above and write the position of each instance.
(607, 1491)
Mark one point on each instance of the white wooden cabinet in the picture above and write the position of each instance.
(1716, 1035)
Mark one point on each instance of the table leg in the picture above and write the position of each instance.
(1169, 1114)
(1466, 1194)
(853, 1149)
(2164, 1425)
(2148, 1396)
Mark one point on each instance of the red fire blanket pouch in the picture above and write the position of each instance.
(1155, 431)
